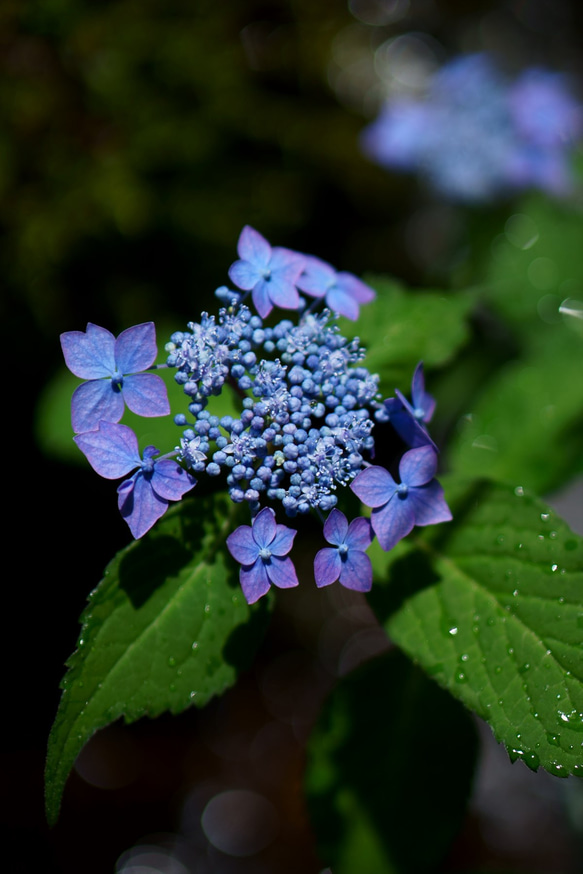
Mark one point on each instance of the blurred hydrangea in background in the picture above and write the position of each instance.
(474, 135)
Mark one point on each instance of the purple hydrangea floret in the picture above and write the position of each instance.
(113, 370)
(346, 560)
(112, 451)
(270, 274)
(409, 419)
(261, 550)
(343, 292)
(398, 507)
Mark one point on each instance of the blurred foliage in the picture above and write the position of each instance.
(138, 138)
(367, 808)
(523, 415)
(398, 329)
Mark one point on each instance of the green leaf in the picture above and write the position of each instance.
(391, 750)
(401, 328)
(167, 627)
(491, 606)
(526, 426)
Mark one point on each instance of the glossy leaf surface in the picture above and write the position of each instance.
(492, 608)
(166, 628)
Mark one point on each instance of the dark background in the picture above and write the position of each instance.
(136, 139)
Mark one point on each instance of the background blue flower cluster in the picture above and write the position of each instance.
(474, 135)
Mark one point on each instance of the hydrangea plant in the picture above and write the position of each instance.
(464, 580)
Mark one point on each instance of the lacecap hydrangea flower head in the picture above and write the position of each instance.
(309, 409)
(475, 135)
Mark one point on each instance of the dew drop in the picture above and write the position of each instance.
(453, 630)
(523, 668)
(498, 669)
(195, 645)
(554, 567)
(572, 719)
(540, 537)
(545, 517)
(464, 657)
(510, 650)
(515, 593)
(515, 754)
(172, 687)
(490, 621)
(532, 760)
(519, 491)
(553, 535)
(207, 608)
(192, 695)
(460, 677)
(519, 546)
(500, 539)
(171, 661)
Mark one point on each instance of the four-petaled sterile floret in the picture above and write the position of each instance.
(343, 292)
(113, 370)
(346, 560)
(270, 275)
(398, 507)
(261, 549)
(409, 419)
(112, 451)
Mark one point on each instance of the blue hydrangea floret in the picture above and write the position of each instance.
(397, 507)
(112, 451)
(113, 368)
(346, 559)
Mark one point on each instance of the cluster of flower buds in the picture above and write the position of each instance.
(473, 135)
(306, 428)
